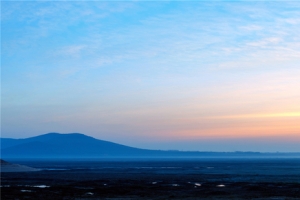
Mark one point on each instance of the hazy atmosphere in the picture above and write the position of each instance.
(185, 75)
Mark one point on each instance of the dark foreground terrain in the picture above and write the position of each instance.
(155, 179)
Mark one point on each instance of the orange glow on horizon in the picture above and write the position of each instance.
(262, 115)
(262, 125)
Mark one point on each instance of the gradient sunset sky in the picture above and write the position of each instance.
(185, 75)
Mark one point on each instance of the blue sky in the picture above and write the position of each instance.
(189, 75)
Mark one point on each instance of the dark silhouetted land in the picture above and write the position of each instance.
(257, 179)
(76, 166)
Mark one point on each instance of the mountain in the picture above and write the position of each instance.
(55, 145)
(76, 145)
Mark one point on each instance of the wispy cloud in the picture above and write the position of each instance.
(70, 51)
(265, 42)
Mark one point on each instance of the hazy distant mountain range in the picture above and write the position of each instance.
(75, 145)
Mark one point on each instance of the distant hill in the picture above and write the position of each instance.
(65, 145)
(9, 167)
(76, 145)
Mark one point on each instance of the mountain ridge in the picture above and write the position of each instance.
(64, 145)
(78, 145)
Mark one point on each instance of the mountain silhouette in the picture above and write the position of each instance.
(76, 145)
(66, 145)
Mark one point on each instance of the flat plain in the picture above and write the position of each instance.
(155, 179)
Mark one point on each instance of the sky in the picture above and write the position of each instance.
(184, 75)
